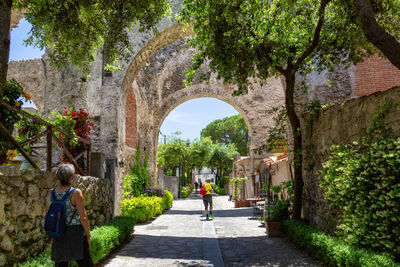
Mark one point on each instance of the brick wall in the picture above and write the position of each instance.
(130, 120)
(375, 74)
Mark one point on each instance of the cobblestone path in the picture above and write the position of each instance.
(182, 237)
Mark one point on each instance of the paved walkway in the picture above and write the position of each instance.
(182, 237)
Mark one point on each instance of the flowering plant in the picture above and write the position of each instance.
(11, 154)
(78, 125)
(153, 192)
(13, 95)
(28, 128)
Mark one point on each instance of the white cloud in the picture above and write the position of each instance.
(182, 118)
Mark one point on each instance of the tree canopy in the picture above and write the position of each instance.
(230, 130)
(221, 160)
(380, 23)
(75, 31)
(199, 153)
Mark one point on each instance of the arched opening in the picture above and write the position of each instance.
(198, 138)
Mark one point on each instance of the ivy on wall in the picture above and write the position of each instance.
(363, 181)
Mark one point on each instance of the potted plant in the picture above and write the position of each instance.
(237, 184)
(276, 212)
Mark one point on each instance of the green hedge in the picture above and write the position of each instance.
(186, 191)
(332, 250)
(103, 239)
(109, 236)
(219, 190)
(144, 208)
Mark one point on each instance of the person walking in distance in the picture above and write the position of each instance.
(75, 244)
(207, 199)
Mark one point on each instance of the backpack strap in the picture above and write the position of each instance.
(68, 194)
(53, 195)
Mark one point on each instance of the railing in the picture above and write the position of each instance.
(50, 136)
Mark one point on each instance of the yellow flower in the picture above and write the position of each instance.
(11, 154)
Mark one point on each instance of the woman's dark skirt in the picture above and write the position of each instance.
(69, 247)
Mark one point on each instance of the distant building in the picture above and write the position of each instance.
(203, 174)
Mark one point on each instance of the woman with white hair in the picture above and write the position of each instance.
(75, 244)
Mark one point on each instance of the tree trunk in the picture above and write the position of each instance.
(297, 144)
(375, 34)
(5, 18)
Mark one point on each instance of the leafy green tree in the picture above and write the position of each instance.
(242, 40)
(229, 130)
(199, 153)
(191, 157)
(221, 160)
(168, 155)
(75, 31)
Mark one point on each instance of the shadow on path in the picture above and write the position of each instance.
(248, 251)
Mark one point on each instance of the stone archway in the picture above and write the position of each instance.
(158, 88)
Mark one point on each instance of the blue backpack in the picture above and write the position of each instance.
(55, 220)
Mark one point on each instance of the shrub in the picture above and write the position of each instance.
(107, 237)
(104, 238)
(364, 182)
(168, 199)
(332, 250)
(186, 191)
(13, 91)
(278, 212)
(43, 259)
(144, 208)
(219, 190)
(138, 179)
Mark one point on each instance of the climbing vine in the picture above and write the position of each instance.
(277, 135)
(138, 179)
(363, 181)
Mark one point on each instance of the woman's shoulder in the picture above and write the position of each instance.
(77, 191)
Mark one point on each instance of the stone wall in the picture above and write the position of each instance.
(339, 124)
(169, 183)
(24, 200)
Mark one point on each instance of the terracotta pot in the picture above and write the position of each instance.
(273, 229)
(242, 203)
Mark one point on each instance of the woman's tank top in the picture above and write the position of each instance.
(71, 212)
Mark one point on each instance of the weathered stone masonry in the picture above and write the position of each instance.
(24, 199)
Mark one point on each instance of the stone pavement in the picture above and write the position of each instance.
(182, 237)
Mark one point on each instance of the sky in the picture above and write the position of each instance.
(189, 118)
